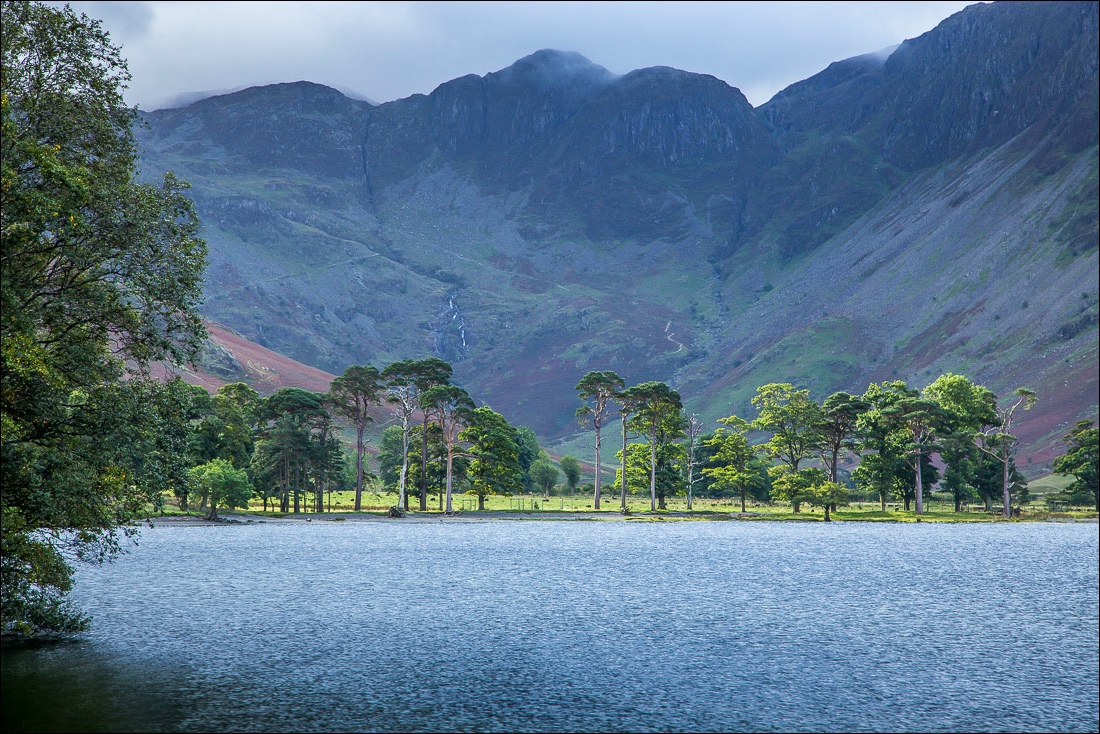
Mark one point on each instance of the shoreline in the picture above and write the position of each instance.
(232, 518)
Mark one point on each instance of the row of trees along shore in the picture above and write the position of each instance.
(102, 279)
(892, 433)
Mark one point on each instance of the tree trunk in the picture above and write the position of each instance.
(596, 491)
(623, 470)
(1007, 495)
(652, 473)
(481, 503)
(827, 518)
(919, 484)
(882, 502)
(359, 426)
(402, 498)
(450, 460)
(424, 466)
(742, 499)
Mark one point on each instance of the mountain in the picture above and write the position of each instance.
(899, 215)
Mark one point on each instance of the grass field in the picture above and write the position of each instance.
(936, 510)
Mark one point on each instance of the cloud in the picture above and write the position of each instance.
(389, 50)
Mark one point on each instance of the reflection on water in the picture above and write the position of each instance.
(566, 626)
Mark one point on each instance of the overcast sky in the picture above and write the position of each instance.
(383, 51)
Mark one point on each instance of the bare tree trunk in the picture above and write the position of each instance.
(424, 467)
(359, 427)
(596, 491)
(623, 470)
(1007, 495)
(403, 500)
(450, 461)
(919, 485)
(653, 474)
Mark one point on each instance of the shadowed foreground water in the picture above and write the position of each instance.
(578, 626)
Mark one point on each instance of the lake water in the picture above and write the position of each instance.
(519, 626)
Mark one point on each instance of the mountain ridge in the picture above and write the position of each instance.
(529, 229)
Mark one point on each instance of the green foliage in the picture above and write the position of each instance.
(793, 419)
(544, 475)
(669, 476)
(494, 467)
(731, 466)
(220, 484)
(571, 468)
(796, 487)
(1081, 462)
(101, 276)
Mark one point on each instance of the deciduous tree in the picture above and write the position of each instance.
(1080, 461)
(100, 277)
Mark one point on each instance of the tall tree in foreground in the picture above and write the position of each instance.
(923, 420)
(451, 408)
(596, 390)
(403, 395)
(426, 374)
(997, 440)
(352, 394)
(657, 413)
(99, 278)
(1081, 461)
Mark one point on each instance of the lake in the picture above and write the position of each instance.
(530, 626)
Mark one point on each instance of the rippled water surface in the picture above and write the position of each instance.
(578, 626)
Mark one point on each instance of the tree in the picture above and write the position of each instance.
(494, 468)
(996, 440)
(627, 405)
(827, 495)
(968, 407)
(792, 418)
(407, 381)
(692, 427)
(571, 468)
(392, 447)
(352, 394)
(795, 487)
(545, 475)
(1080, 461)
(882, 466)
(731, 469)
(100, 277)
(795, 424)
(451, 408)
(290, 416)
(922, 420)
(657, 413)
(596, 390)
(220, 483)
(404, 380)
(840, 411)
(529, 451)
